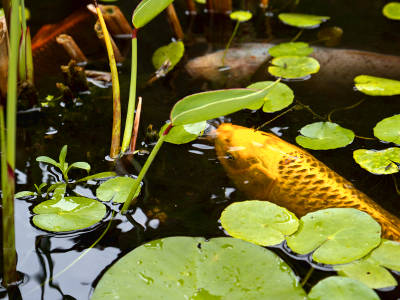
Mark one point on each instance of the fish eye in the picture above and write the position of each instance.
(229, 156)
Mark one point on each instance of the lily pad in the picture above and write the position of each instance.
(378, 162)
(336, 287)
(377, 86)
(241, 15)
(293, 66)
(388, 129)
(259, 222)
(291, 49)
(116, 189)
(183, 134)
(68, 213)
(336, 235)
(302, 20)
(193, 268)
(371, 270)
(173, 52)
(278, 96)
(392, 10)
(324, 136)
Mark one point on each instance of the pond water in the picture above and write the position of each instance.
(186, 188)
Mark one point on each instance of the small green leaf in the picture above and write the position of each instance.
(324, 136)
(277, 98)
(48, 160)
(291, 49)
(377, 86)
(79, 165)
(213, 104)
(1, 12)
(293, 66)
(336, 235)
(69, 213)
(24, 194)
(302, 20)
(173, 52)
(378, 162)
(39, 188)
(54, 186)
(201, 1)
(388, 129)
(336, 287)
(182, 134)
(259, 222)
(101, 175)
(116, 189)
(392, 10)
(241, 15)
(63, 155)
(147, 10)
(59, 191)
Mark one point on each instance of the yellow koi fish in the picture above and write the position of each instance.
(266, 167)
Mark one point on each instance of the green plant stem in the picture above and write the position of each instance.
(277, 117)
(22, 46)
(116, 126)
(132, 97)
(29, 57)
(308, 275)
(230, 41)
(396, 186)
(296, 37)
(143, 171)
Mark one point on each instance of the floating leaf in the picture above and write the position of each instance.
(116, 189)
(377, 86)
(69, 213)
(324, 136)
(291, 49)
(378, 162)
(293, 66)
(388, 129)
(213, 104)
(371, 269)
(338, 235)
(392, 10)
(173, 52)
(24, 194)
(336, 287)
(302, 20)
(278, 97)
(147, 10)
(183, 134)
(192, 268)
(241, 15)
(259, 222)
(331, 36)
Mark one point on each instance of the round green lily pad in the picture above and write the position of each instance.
(341, 288)
(278, 96)
(173, 52)
(336, 235)
(377, 86)
(116, 189)
(182, 134)
(302, 20)
(324, 136)
(68, 213)
(291, 49)
(371, 269)
(392, 10)
(388, 129)
(293, 66)
(259, 222)
(241, 15)
(378, 162)
(193, 268)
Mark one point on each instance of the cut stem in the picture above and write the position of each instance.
(230, 41)
(174, 22)
(132, 146)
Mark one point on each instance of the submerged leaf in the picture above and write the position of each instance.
(377, 86)
(392, 10)
(293, 66)
(278, 97)
(336, 287)
(302, 20)
(388, 129)
(183, 134)
(324, 136)
(68, 213)
(331, 36)
(241, 15)
(172, 53)
(336, 235)
(116, 189)
(147, 10)
(378, 162)
(193, 268)
(291, 49)
(259, 222)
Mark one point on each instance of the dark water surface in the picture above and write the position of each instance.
(186, 187)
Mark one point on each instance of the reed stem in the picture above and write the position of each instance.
(230, 41)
